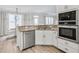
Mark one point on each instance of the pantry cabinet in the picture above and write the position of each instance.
(45, 37)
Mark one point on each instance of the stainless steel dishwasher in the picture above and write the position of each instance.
(29, 39)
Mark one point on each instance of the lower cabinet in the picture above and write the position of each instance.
(50, 38)
(39, 37)
(68, 46)
(45, 37)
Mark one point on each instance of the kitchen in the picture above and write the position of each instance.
(40, 26)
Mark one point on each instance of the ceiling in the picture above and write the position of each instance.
(47, 9)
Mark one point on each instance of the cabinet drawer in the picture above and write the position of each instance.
(72, 50)
(62, 47)
(68, 46)
(68, 43)
(72, 45)
(61, 41)
(67, 49)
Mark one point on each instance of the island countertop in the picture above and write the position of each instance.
(26, 30)
(41, 27)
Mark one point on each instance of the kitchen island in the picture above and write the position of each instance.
(25, 38)
(34, 35)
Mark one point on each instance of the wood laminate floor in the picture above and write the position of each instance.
(9, 46)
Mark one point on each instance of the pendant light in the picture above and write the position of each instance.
(16, 20)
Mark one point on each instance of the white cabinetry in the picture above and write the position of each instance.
(45, 37)
(73, 6)
(60, 8)
(39, 37)
(63, 8)
(68, 46)
(51, 38)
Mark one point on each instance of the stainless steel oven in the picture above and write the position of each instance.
(69, 32)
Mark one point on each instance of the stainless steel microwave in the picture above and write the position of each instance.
(69, 17)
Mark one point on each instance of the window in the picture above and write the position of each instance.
(36, 20)
(11, 21)
(49, 20)
(19, 20)
(14, 19)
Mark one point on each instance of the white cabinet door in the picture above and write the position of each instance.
(46, 37)
(50, 38)
(39, 40)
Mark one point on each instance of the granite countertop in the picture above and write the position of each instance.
(21, 29)
(30, 28)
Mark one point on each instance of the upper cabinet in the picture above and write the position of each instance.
(63, 8)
